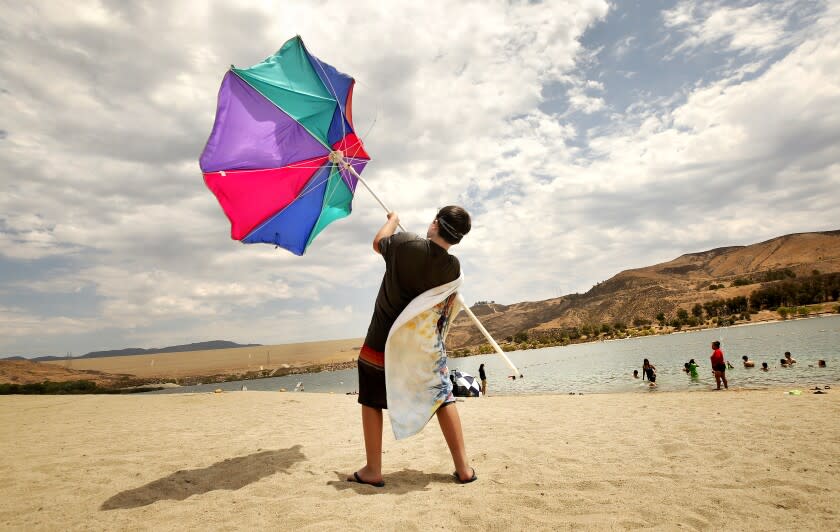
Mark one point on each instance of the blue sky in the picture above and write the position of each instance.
(586, 137)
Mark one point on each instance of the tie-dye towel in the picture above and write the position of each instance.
(416, 376)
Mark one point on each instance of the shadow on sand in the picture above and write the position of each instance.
(230, 474)
(398, 483)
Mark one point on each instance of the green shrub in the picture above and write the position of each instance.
(51, 388)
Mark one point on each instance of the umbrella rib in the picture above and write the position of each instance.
(291, 89)
(326, 200)
(304, 191)
(248, 170)
(284, 112)
(332, 90)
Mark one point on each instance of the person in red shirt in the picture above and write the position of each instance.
(719, 365)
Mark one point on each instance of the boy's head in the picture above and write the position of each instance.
(715, 345)
(635, 373)
(745, 358)
(453, 222)
(787, 354)
(692, 361)
(764, 365)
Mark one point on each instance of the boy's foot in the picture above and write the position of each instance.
(459, 480)
(359, 478)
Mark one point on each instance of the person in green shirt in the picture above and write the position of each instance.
(692, 369)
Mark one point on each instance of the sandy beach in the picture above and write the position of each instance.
(271, 460)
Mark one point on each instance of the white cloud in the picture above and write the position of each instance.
(623, 46)
(760, 27)
(16, 323)
(580, 101)
(737, 162)
(107, 194)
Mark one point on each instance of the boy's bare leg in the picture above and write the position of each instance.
(372, 429)
(450, 425)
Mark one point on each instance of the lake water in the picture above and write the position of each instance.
(607, 367)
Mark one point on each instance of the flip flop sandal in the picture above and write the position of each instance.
(380, 484)
(459, 481)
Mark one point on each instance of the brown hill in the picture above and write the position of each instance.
(667, 287)
(28, 372)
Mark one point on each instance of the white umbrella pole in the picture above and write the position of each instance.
(469, 312)
(372, 193)
(487, 335)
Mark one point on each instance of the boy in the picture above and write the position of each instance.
(413, 265)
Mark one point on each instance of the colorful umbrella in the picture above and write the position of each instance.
(283, 158)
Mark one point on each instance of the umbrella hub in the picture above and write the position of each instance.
(337, 156)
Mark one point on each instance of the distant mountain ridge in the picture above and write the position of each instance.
(642, 293)
(131, 351)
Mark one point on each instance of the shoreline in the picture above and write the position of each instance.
(833, 388)
(329, 362)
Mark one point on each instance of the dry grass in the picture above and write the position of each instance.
(27, 372)
(222, 361)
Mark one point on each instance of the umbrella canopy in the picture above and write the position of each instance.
(278, 158)
(466, 385)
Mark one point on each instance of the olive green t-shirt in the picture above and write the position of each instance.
(412, 265)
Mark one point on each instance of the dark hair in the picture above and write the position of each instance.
(787, 353)
(745, 357)
(692, 361)
(715, 345)
(646, 362)
(764, 364)
(783, 360)
(453, 222)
